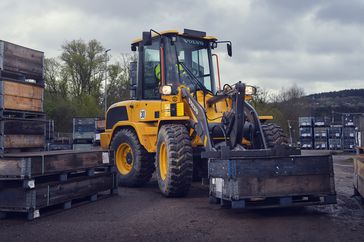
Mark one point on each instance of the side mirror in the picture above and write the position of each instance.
(147, 38)
(229, 49)
(133, 78)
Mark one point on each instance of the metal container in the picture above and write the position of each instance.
(306, 132)
(306, 143)
(334, 132)
(84, 129)
(348, 144)
(321, 121)
(360, 133)
(349, 132)
(321, 144)
(305, 121)
(335, 144)
(320, 132)
(348, 120)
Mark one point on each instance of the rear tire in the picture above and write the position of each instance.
(134, 164)
(274, 135)
(174, 160)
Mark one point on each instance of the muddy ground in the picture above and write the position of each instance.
(144, 215)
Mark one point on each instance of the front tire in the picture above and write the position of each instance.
(174, 160)
(134, 164)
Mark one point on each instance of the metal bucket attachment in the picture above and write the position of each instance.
(266, 182)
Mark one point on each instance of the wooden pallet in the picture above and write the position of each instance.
(33, 198)
(273, 202)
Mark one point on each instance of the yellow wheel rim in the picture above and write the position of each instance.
(163, 164)
(124, 158)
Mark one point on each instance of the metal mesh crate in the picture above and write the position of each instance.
(305, 132)
(335, 144)
(334, 132)
(305, 121)
(320, 132)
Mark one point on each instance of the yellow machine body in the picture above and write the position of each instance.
(146, 116)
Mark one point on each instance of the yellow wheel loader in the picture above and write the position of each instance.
(181, 123)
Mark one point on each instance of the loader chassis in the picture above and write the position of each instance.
(176, 120)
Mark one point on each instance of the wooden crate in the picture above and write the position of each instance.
(359, 175)
(21, 96)
(37, 164)
(18, 134)
(21, 63)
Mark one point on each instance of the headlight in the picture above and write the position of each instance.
(250, 90)
(166, 90)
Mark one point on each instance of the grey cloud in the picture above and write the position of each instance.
(346, 12)
(317, 44)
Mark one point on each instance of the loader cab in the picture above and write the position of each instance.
(173, 59)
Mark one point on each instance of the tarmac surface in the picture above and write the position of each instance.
(143, 214)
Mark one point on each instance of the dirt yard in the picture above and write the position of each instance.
(144, 215)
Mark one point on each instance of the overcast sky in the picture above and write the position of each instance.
(318, 45)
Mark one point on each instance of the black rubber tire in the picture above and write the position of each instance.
(179, 159)
(274, 135)
(143, 165)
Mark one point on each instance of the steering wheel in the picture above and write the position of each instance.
(227, 88)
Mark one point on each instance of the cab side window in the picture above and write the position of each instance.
(151, 71)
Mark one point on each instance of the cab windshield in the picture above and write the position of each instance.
(187, 61)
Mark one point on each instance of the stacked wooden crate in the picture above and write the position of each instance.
(32, 182)
(32, 179)
(22, 120)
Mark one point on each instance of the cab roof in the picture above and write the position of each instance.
(186, 33)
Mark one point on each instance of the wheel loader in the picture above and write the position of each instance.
(182, 123)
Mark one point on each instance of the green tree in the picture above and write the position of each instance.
(119, 79)
(84, 64)
(55, 81)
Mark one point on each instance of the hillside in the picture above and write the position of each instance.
(347, 101)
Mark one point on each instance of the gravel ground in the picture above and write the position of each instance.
(144, 215)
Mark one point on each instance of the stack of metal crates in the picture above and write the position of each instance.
(320, 133)
(306, 132)
(22, 120)
(84, 132)
(335, 136)
(348, 137)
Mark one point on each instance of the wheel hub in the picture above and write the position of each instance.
(124, 159)
(129, 158)
(163, 162)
